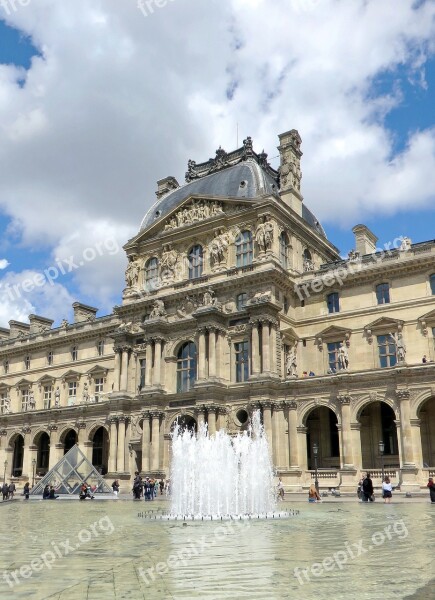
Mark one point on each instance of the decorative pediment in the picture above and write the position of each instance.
(46, 380)
(382, 325)
(71, 376)
(289, 336)
(333, 334)
(24, 383)
(426, 321)
(97, 371)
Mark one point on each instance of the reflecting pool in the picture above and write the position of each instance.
(106, 549)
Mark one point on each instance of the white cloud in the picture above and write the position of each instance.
(4, 264)
(119, 101)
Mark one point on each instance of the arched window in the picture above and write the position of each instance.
(196, 256)
(432, 283)
(186, 367)
(241, 300)
(244, 247)
(283, 250)
(151, 274)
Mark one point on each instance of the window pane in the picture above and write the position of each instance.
(432, 284)
(244, 249)
(383, 293)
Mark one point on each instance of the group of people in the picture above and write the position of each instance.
(366, 492)
(149, 488)
(49, 493)
(8, 491)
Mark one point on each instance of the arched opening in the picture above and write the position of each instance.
(100, 450)
(185, 422)
(70, 440)
(322, 430)
(43, 454)
(18, 456)
(378, 425)
(426, 414)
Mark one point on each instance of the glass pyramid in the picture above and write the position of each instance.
(70, 473)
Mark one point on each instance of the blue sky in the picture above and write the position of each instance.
(106, 107)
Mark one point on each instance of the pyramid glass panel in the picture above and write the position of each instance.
(70, 473)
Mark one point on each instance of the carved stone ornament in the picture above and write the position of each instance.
(132, 273)
(197, 210)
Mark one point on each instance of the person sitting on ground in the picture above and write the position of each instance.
(313, 494)
(85, 492)
(46, 492)
(52, 494)
(387, 490)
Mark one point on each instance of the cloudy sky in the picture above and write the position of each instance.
(101, 98)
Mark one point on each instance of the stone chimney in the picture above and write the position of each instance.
(18, 329)
(290, 169)
(39, 324)
(365, 240)
(83, 313)
(166, 185)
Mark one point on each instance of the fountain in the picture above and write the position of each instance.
(222, 477)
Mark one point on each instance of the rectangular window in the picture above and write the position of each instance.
(24, 400)
(3, 403)
(100, 348)
(72, 393)
(333, 349)
(74, 353)
(50, 359)
(27, 363)
(6, 367)
(99, 387)
(242, 360)
(387, 351)
(383, 293)
(143, 367)
(333, 301)
(47, 396)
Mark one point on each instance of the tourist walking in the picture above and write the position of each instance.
(5, 491)
(12, 489)
(162, 486)
(387, 490)
(147, 489)
(115, 487)
(137, 486)
(431, 486)
(313, 494)
(280, 489)
(26, 490)
(367, 489)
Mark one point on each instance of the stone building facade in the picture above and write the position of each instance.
(235, 301)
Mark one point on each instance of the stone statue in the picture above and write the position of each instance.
(158, 310)
(64, 324)
(57, 397)
(32, 401)
(85, 393)
(168, 263)
(354, 256)
(291, 362)
(219, 247)
(400, 346)
(7, 405)
(132, 273)
(308, 265)
(260, 235)
(343, 357)
(268, 233)
(405, 245)
(209, 298)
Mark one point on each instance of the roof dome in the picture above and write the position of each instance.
(240, 174)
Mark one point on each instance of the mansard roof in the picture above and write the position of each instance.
(240, 174)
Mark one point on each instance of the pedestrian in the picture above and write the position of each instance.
(115, 487)
(424, 359)
(431, 486)
(313, 494)
(5, 491)
(147, 489)
(280, 489)
(367, 489)
(12, 489)
(137, 486)
(26, 490)
(387, 490)
(359, 489)
(162, 486)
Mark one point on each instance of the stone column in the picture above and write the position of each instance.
(302, 448)
(212, 353)
(222, 418)
(155, 444)
(146, 443)
(416, 439)
(120, 457)
(54, 440)
(200, 416)
(293, 435)
(276, 433)
(112, 445)
(272, 348)
(405, 428)
(149, 364)
(81, 436)
(219, 354)
(162, 442)
(157, 362)
(356, 444)
(211, 411)
(255, 349)
(201, 355)
(124, 369)
(265, 347)
(346, 434)
(117, 371)
(267, 422)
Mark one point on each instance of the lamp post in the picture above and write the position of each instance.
(33, 471)
(381, 452)
(315, 451)
(4, 474)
